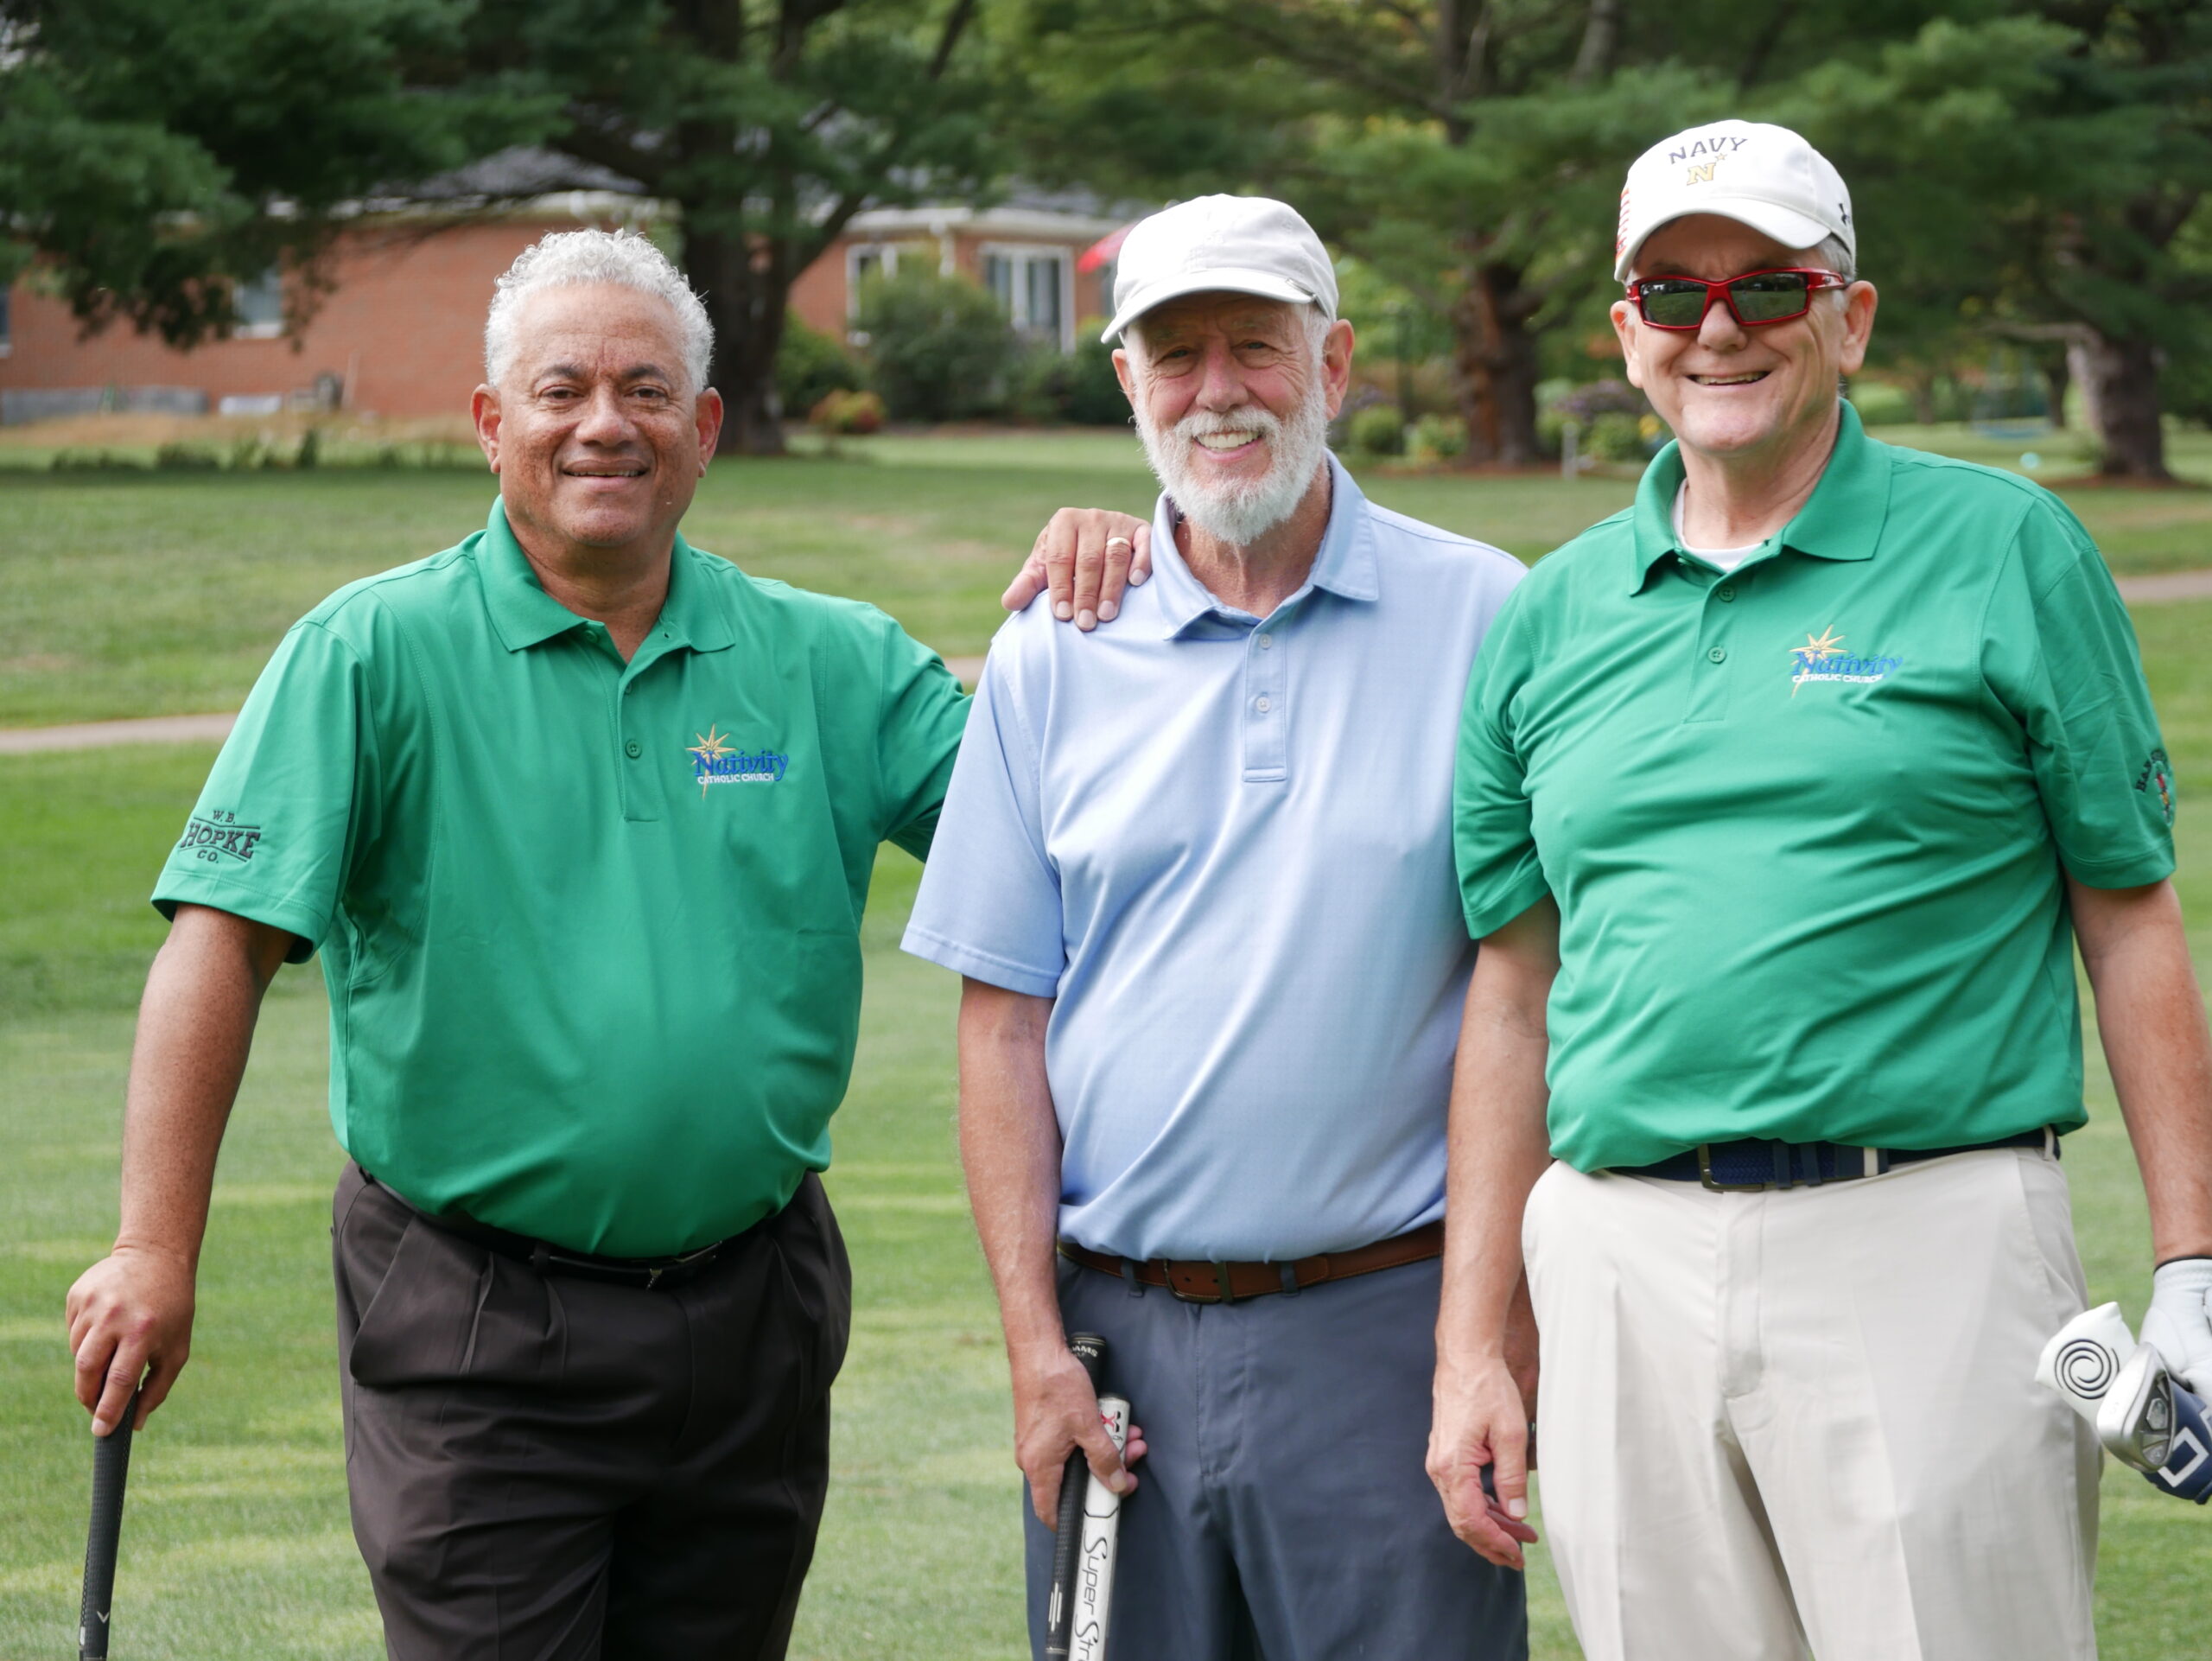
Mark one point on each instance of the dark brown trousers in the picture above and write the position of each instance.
(548, 1468)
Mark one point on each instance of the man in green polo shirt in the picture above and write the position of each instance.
(1783, 797)
(581, 821)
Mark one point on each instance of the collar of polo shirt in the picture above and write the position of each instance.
(1842, 520)
(524, 616)
(1345, 565)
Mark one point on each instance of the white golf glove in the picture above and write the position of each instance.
(2179, 1320)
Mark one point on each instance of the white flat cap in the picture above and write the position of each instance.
(1235, 245)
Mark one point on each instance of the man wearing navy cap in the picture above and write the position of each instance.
(1783, 798)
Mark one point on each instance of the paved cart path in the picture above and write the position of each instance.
(201, 729)
(209, 729)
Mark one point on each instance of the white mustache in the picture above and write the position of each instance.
(1208, 424)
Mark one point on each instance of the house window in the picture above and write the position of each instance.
(6, 339)
(258, 307)
(862, 261)
(1032, 288)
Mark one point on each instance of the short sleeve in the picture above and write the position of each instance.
(917, 734)
(989, 904)
(270, 835)
(1492, 840)
(2059, 653)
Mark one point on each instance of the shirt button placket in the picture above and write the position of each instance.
(1266, 753)
(1709, 670)
(640, 801)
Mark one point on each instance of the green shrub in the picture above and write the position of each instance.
(1078, 386)
(1377, 430)
(1439, 438)
(844, 412)
(1615, 436)
(311, 450)
(92, 461)
(1880, 403)
(186, 458)
(810, 365)
(938, 348)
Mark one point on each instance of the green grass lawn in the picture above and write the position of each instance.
(140, 593)
(237, 1543)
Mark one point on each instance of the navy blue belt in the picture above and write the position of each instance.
(1756, 1163)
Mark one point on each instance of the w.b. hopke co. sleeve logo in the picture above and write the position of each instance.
(217, 835)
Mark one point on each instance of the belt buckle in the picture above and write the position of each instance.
(700, 1258)
(1176, 1288)
(1705, 1175)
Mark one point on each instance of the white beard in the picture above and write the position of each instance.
(1240, 512)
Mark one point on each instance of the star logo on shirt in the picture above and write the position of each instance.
(1808, 656)
(712, 746)
(1813, 651)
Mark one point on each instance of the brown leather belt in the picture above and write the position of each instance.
(1203, 1282)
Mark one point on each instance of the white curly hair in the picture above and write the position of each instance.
(561, 259)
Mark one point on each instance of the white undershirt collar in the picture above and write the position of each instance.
(1724, 560)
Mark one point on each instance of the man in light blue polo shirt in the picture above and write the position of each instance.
(1197, 870)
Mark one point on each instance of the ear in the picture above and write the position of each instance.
(1335, 363)
(1859, 302)
(483, 412)
(1625, 331)
(706, 418)
(1126, 372)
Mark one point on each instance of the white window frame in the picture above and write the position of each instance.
(265, 329)
(1021, 254)
(885, 252)
(916, 247)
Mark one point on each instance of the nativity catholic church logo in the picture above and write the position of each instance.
(1824, 659)
(716, 760)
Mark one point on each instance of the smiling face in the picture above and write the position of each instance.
(595, 431)
(1731, 392)
(1233, 403)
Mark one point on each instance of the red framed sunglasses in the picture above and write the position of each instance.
(1754, 298)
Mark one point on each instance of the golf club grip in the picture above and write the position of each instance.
(111, 1469)
(1067, 1539)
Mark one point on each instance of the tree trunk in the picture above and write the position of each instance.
(1920, 384)
(745, 300)
(2120, 396)
(1494, 364)
(2057, 376)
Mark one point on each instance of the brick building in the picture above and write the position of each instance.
(399, 334)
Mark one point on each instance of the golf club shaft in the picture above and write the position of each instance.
(111, 1468)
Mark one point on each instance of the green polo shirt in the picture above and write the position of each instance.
(591, 930)
(1808, 825)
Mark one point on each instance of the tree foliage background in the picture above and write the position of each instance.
(2027, 173)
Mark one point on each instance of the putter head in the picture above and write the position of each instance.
(2153, 1425)
(2084, 1358)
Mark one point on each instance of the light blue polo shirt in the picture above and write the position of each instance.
(1224, 845)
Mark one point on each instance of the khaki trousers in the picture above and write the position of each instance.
(1771, 1420)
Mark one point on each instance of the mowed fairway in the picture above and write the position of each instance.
(148, 595)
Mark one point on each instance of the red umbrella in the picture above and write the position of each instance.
(1103, 250)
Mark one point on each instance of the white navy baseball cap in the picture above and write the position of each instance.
(1764, 176)
(1235, 245)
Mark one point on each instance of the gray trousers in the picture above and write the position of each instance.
(546, 1468)
(1284, 1509)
